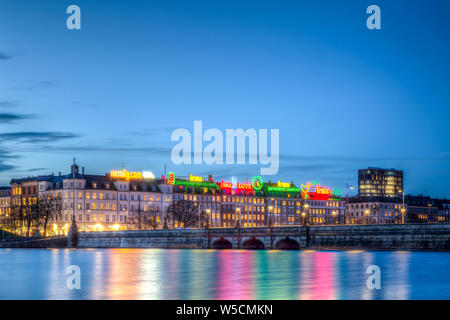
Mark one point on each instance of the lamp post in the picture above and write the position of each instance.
(333, 213)
(367, 212)
(305, 214)
(346, 205)
(73, 232)
(403, 210)
(304, 218)
(237, 215)
(208, 212)
(351, 188)
(270, 216)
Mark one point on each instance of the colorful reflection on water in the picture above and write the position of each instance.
(227, 274)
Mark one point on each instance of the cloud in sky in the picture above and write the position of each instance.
(4, 155)
(13, 117)
(35, 137)
(5, 167)
(8, 104)
(4, 56)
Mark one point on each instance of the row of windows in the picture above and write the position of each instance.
(107, 207)
(374, 206)
(232, 216)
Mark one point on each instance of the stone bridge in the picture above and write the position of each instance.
(388, 237)
(23, 242)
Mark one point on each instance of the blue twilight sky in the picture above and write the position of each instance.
(344, 97)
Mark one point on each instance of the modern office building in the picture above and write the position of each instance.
(377, 182)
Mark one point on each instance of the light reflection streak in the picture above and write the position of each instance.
(368, 259)
(212, 274)
(150, 275)
(323, 275)
(396, 284)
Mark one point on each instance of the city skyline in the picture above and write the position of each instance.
(344, 97)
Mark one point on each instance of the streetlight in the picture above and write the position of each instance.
(403, 206)
(367, 216)
(208, 211)
(306, 206)
(304, 218)
(351, 188)
(270, 215)
(333, 213)
(237, 214)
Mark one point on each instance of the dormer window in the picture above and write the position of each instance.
(94, 185)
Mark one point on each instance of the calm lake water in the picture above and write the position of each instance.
(214, 274)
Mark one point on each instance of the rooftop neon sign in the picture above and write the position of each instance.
(315, 191)
(193, 181)
(257, 183)
(124, 174)
(234, 186)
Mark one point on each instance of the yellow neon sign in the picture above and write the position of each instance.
(193, 178)
(283, 184)
(124, 174)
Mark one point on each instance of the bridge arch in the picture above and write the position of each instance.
(253, 244)
(287, 244)
(222, 243)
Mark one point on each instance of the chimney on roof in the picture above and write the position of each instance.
(59, 173)
(82, 171)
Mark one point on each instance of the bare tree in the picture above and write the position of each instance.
(49, 208)
(151, 219)
(186, 214)
(13, 221)
(137, 217)
(30, 216)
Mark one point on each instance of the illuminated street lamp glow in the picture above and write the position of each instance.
(148, 175)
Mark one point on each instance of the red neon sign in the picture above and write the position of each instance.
(171, 179)
(225, 185)
(240, 186)
(244, 186)
(315, 192)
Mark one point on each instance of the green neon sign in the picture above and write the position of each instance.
(257, 183)
(281, 189)
(196, 184)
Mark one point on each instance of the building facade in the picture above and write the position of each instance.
(122, 200)
(374, 210)
(5, 203)
(423, 209)
(377, 182)
(96, 202)
(443, 210)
